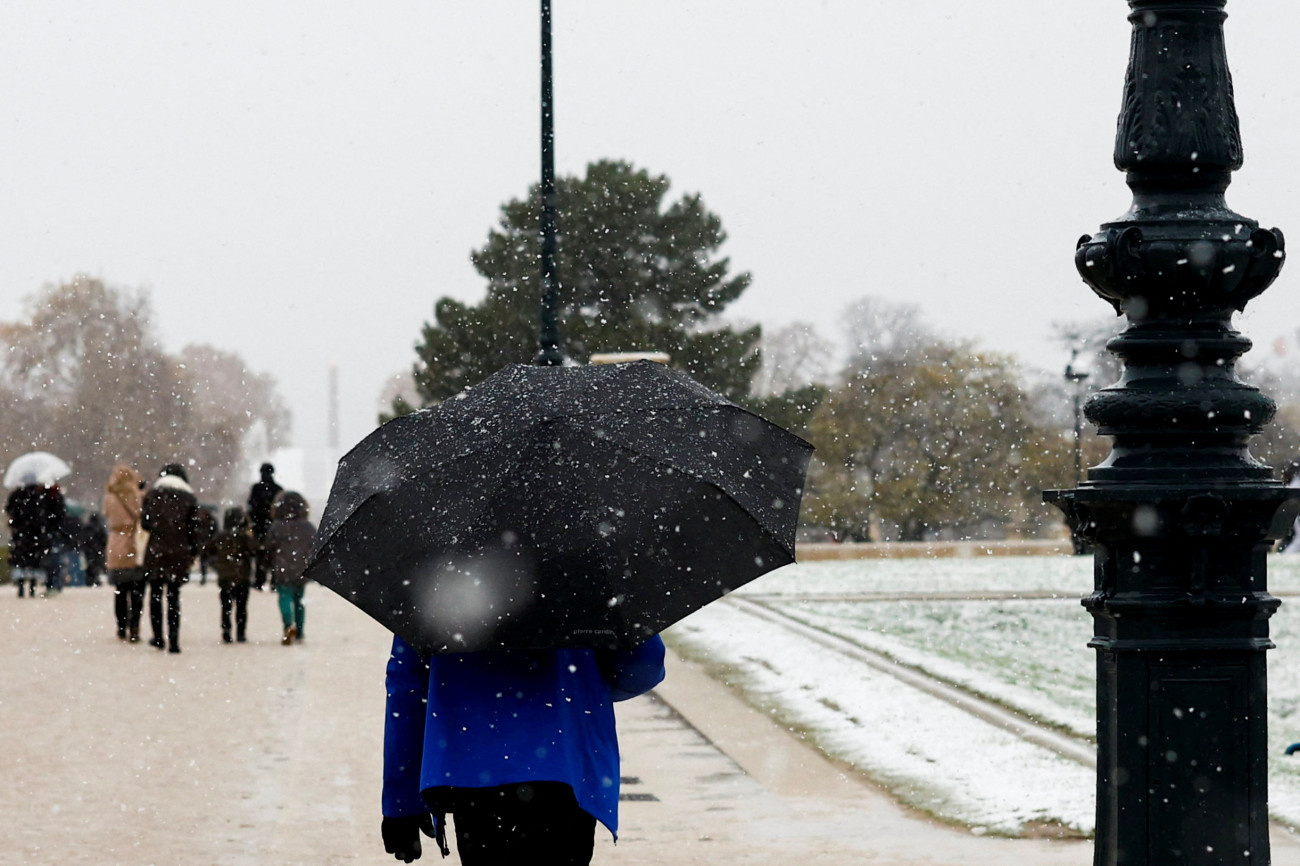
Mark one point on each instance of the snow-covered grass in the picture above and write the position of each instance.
(1030, 654)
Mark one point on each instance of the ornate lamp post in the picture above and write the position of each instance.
(1179, 514)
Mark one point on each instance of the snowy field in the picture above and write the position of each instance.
(1029, 654)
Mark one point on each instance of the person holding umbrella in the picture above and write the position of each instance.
(519, 745)
(526, 542)
(35, 512)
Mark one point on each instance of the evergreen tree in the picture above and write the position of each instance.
(634, 274)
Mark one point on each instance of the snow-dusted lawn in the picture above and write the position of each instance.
(1029, 654)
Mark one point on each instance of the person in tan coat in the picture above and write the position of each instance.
(123, 499)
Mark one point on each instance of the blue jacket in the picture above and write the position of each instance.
(477, 720)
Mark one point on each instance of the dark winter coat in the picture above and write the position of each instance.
(289, 541)
(35, 519)
(260, 500)
(232, 551)
(95, 542)
(171, 516)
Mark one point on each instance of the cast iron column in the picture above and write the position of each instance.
(1180, 514)
(548, 339)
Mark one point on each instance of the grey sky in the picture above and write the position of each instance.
(299, 181)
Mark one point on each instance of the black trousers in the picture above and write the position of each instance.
(234, 597)
(128, 603)
(261, 564)
(531, 822)
(172, 588)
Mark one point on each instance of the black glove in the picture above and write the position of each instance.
(402, 835)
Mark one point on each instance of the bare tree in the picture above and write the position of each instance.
(793, 357)
(875, 328)
(225, 399)
(84, 376)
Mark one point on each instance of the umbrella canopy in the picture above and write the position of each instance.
(559, 506)
(35, 467)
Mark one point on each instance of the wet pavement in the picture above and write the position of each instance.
(259, 753)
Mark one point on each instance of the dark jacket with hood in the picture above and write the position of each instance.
(260, 499)
(232, 550)
(176, 529)
(290, 540)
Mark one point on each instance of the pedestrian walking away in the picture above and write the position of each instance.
(208, 516)
(170, 515)
(289, 545)
(519, 746)
(67, 545)
(260, 499)
(123, 499)
(231, 554)
(35, 513)
(93, 541)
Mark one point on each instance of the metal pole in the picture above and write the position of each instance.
(1078, 435)
(548, 341)
(1076, 377)
(1180, 515)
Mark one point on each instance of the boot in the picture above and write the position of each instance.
(289, 634)
(225, 636)
(158, 643)
(135, 634)
(121, 632)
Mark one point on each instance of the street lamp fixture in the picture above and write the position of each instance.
(1076, 373)
(1179, 514)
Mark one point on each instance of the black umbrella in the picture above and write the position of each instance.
(559, 506)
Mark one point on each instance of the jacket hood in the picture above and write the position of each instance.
(172, 482)
(235, 518)
(124, 481)
(290, 506)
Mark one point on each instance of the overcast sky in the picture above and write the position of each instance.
(300, 181)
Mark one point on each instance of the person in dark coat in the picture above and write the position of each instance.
(518, 745)
(208, 514)
(170, 515)
(260, 499)
(35, 515)
(289, 543)
(70, 538)
(231, 555)
(94, 542)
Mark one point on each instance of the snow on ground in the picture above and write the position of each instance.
(1030, 654)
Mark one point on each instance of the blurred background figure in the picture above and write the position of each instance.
(170, 515)
(231, 554)
(94, 540)
(289, 543)
(208, 515)
(123, 498)
(260, 499)
(35, 514)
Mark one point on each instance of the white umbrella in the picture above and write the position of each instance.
(35, 467)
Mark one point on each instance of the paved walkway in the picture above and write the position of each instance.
(258, 753)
